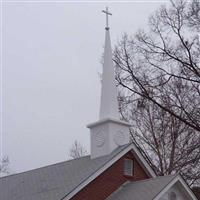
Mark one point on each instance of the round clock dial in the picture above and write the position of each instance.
(119, 138)
(100, 139)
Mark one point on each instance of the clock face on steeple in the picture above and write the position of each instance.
(119, 138)
(100, 138)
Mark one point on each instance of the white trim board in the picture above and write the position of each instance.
(108, 164)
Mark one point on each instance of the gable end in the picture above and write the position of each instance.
(111, 179)
(142, 162)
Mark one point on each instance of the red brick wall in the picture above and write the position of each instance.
(111, 179)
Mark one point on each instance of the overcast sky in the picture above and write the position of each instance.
(51, 60)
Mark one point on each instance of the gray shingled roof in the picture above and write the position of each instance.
(52, 182)
(142, 190)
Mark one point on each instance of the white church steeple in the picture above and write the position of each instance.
(109, 104)
(109, 132)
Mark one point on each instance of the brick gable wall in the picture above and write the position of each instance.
(110, 180)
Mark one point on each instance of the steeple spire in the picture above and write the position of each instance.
(109, 131)
(109, 103)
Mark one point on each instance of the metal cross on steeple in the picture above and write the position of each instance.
(107, 13)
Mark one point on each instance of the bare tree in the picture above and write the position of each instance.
(77, 150)
(194, 15)
(171, 48)
(169, 145)
(158, 74)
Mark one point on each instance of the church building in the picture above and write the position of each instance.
(115, 170)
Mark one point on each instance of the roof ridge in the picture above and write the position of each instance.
(153, 178)
(66, 161)
(133, 187)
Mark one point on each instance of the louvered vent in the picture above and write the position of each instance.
(128, 167)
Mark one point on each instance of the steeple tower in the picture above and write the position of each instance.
(109, 131)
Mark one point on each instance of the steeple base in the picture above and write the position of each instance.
(106, 135)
